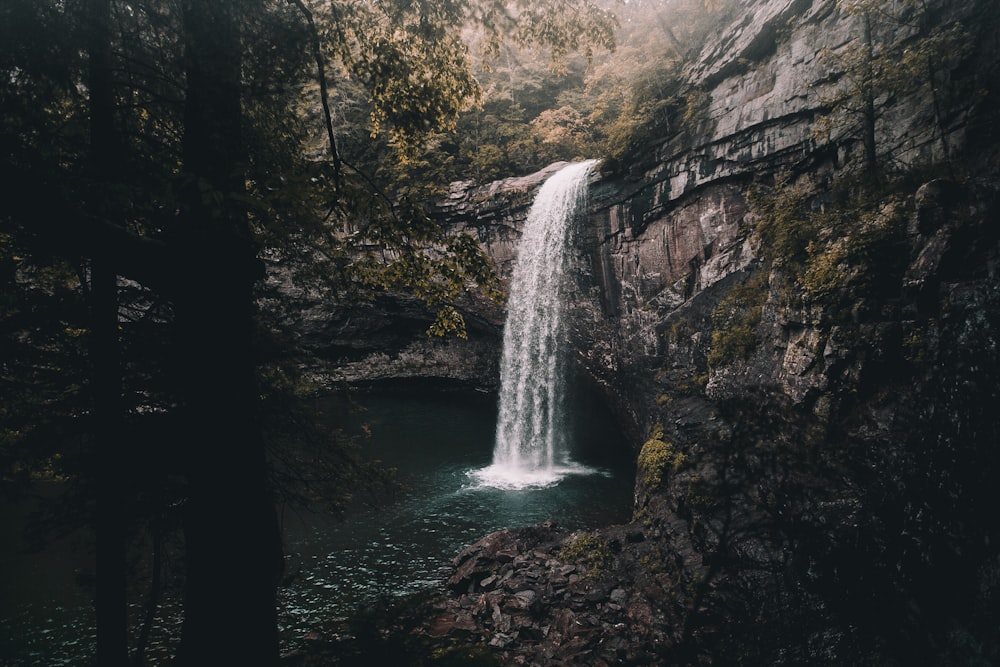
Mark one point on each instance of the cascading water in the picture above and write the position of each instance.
(531, 434)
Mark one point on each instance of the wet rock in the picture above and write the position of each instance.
(452, 625)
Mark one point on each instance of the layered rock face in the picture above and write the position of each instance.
(817, 400)
(675, 226)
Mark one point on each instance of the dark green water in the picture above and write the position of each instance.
(434, 439)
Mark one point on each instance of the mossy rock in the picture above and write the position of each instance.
(657, 457)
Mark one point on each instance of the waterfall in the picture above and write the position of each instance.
(531, 437)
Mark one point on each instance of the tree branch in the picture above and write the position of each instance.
(323, 91)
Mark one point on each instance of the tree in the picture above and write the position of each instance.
(901, 50)
(232, 541)
(105, 155)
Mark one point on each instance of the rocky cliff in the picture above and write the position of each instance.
(805, 355)
(672, 229)
(794, 307)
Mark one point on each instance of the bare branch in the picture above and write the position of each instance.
(323, 91)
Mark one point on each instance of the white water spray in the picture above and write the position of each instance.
(531, 442)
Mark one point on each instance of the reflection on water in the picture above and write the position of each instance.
(435, 441)
(46, 617)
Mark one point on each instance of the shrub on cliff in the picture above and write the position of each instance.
(590, 551)
(734, 322)
(656, 457)
(838, 246)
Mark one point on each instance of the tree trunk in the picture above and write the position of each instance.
(233, 552)
(868, 113)
(233, 546)
(111, 601)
